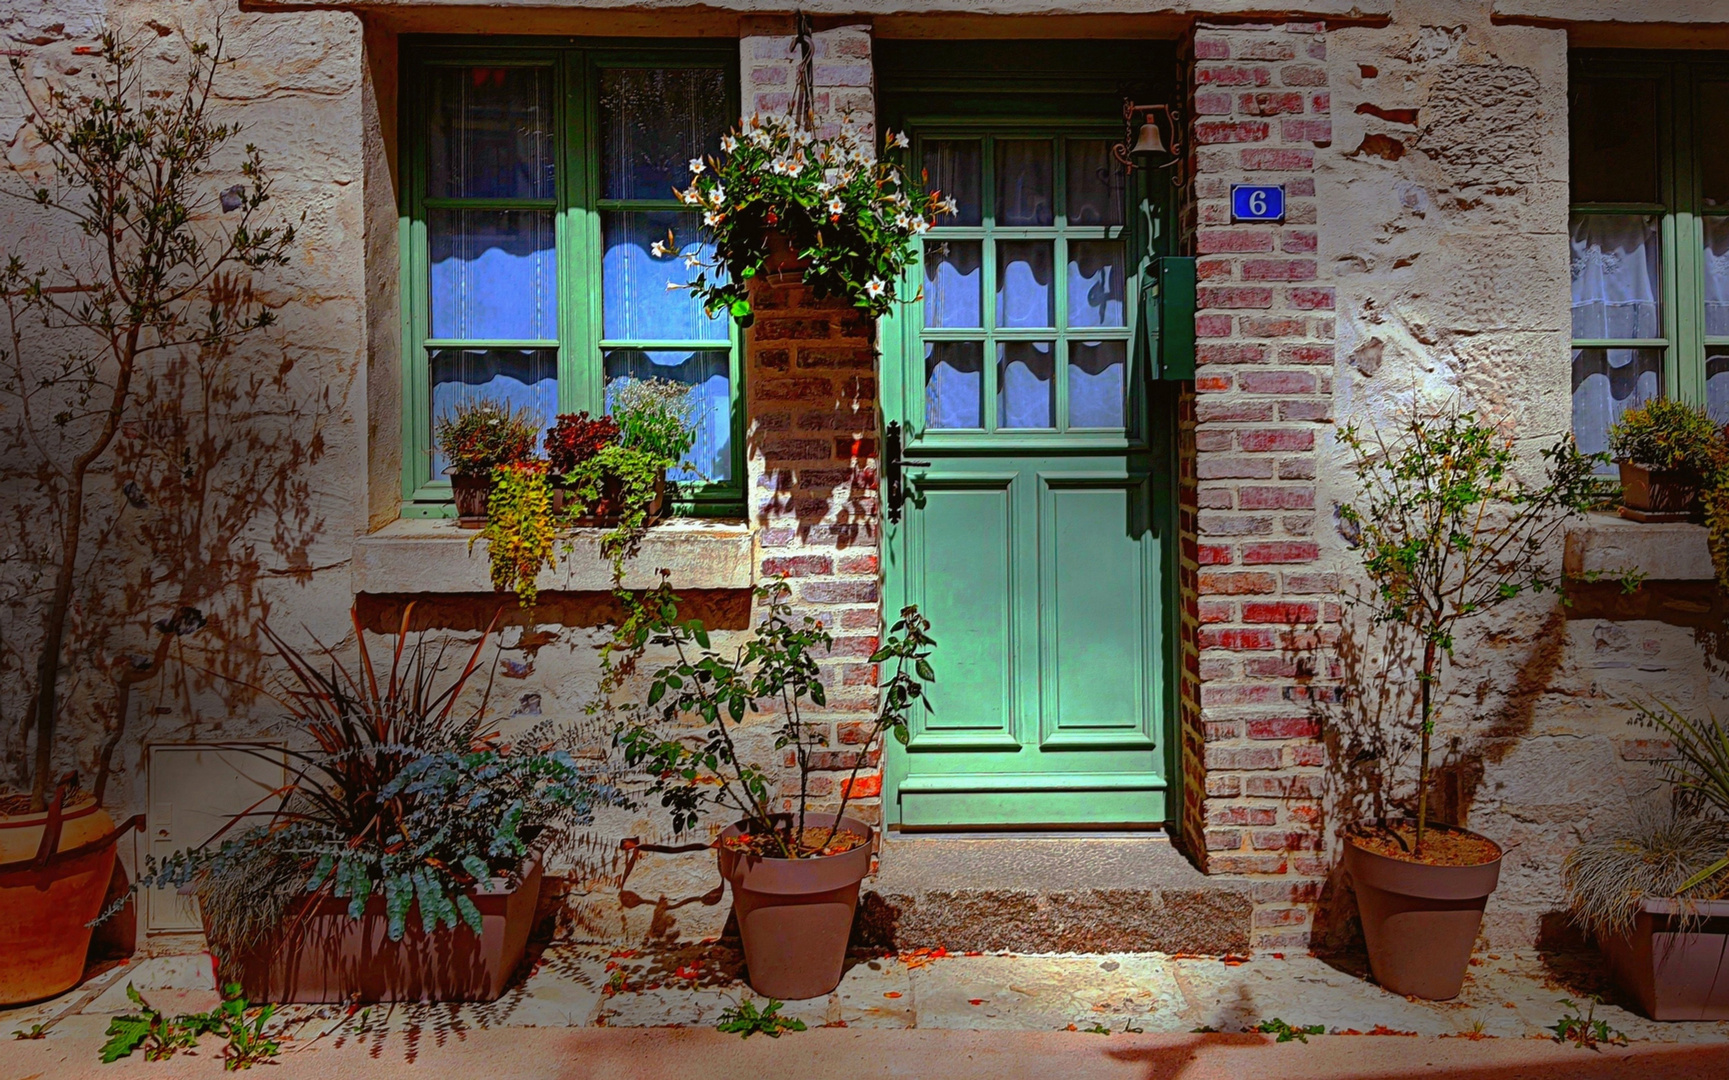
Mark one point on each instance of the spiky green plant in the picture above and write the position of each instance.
(1699, 770)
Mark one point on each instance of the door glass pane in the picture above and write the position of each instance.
(952, 283)
(653, 121)
(635, 302)
(1026, 384)
(489, 133)
(494, 274)
(522, 378)
(1616, 279)
(1024, 182)
(951, 166)
(1097, 381)
(1024, 293)
(1606, 383)
(1095, 189)
(954, 384)
(1713, 114)
(1095, 283)
(709, 372)
(1613, 135)
(1717, 276)
(1717, 382)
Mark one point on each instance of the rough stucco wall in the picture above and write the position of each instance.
(1443, 205)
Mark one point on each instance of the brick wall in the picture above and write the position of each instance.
(1258, 605)
(842, 75)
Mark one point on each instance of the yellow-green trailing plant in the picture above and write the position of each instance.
(520, 531)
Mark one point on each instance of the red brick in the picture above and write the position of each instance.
(1214, 467)
(1321, 102)
(1220, 104)
(1232, 75)
(1284, 727)
(1213, 384)
(1277, 382)
(1234, 296)
(1283, 612)
(1212, 49)
(854, 447)
(1288, 786)
(1242, 815)
(863, 787)
(1215, 241)
(1297, 243)
(785, 329)
(1291, 916)
(859, 564)
(1242, 583)
(1244, 411)
(1303, 75)
(1265, 50)
(1275, 498)
(1272, 326)
(1269, 103)
(1238, 759)
(1280, 551)
(1230, 131)
(1272, 667)
(1305, 410)
(1301, 583)
(1212, 326)
(1286, 841)
(797, 565)
(1319, 132)
(1297, 468)
(1306, 354)
(1216, 611)
(1213, 353)
(1310, 754)
(1279, 270)
(1211, 269)
(1224, 839)
(1262, 440)
(1239, 640)
(1268, 159)
(1214, 555)
(1300, 185)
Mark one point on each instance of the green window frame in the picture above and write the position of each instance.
(579, 207)
(1648, 136)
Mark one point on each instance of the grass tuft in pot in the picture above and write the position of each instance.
(1650, 854)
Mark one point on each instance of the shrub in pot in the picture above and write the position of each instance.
(1666, 451)
(1446, 531)
(794, 871)
(782, 202)
(477, 437)
(1653, 887)
(403, 858)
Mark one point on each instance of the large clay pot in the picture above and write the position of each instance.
(795, 915)
(49, 892)
(1675, 975)
(1663, 495)
(1420, 921)
(332, 958)
(469, 493)
(781, 265)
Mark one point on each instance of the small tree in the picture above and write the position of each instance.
(1446, 530)
(158, 264)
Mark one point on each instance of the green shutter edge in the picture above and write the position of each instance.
(1168, 317)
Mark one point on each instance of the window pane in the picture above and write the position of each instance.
(652, 122)
(490, 133)
(1606, 383)
(1717, 276)
(1024, 293)
(1616, 279)
(951, 166)
(954, 384)
(1095, 190)
(1097, 379)
(522, 378)
(1713, 113)
(1717, 382)
(635, 302)
(1613, 134)
(952, 283)
(710, 372)
(1026, 384)
(1096, 283)
(1023, 182)
(494, 274)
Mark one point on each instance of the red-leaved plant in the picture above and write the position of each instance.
(575, 438)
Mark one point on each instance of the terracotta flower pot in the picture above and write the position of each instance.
(1674, 975)
(333, 958)
(781, 265)
(1420, 921)
(48, 897)
(606, 511)
(1665, 495)
(795, 915)
(469, 492)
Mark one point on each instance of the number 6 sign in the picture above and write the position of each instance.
(1257, 202)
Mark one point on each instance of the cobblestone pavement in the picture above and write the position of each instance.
(1507, 996)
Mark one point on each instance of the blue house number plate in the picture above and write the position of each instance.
(1257, 202)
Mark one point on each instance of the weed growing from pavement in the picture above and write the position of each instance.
(161, 1036)
(1286, 1032)
(36, 1031)
(1586, 1032)
(744, 1020)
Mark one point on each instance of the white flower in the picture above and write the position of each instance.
(690, 196)
(711, 219)
(920, 225)
(948, 206)
(659, 249)
(728, 143)
(691, 262)
(673, 286)
(696, 166)
(874, 288)
(902, 222)
(717, 196)
(835, 206)
(897, 138)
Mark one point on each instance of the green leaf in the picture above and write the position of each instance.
(923, 667)
(124, 1035)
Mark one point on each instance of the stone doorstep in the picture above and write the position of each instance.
(1040, 894)
(432, 555)
(1610, 544)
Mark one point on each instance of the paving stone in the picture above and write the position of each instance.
(875, 993)
(1300, 990)
(173, 984)
(1041, 992)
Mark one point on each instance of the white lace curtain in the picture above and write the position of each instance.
(1617, 293)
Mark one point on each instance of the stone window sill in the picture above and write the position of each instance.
(431, 555)
(1609, 543)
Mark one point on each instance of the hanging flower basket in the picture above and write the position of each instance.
(780, 201)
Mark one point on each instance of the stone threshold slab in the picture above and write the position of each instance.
(1609, 544)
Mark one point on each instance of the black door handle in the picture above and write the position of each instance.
(894, 477)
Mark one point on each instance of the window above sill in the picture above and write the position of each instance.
(1609, 544)
(414, 556)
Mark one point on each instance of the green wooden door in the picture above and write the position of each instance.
(1035, 532)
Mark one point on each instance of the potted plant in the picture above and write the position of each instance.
(784, 203)
(402, 860)
(477, 437)
(1665, 450)
(1653, 888)
(1446, 531)
(794, 870)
